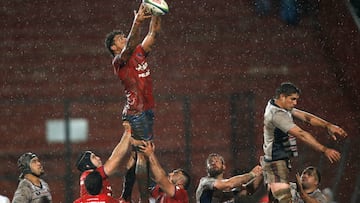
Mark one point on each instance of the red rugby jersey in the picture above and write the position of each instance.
(96, 198)
(181, 196)
(136, 79)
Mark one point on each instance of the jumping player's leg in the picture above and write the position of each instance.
(142, 129)
(276, 176)
(142, 125)
(142, 177)
(281, 192)
(130, 178)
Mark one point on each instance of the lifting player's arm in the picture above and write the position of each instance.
(237, 181)
(111, 165)
(251, 186)
(160, 176)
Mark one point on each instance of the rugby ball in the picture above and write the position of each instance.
(156, 7)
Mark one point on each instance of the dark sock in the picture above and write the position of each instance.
(128, 183)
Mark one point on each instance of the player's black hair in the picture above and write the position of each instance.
(109, 40)
(187, 177)
(286, 88)
(93, 183)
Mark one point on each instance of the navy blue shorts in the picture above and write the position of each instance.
(141, 125)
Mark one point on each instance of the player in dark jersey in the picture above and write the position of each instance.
(215, 188)
(280, 133)
(94, 185)
(31, 187)
(88, 162)
(131, 67)
(169, 188)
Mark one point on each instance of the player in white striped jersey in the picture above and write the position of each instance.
(280, 133)
(31, 188)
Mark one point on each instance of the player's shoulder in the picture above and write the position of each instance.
(43, 182)
(106, 198)
(206, 181)
(203, 179)
(78, 200)
(24, 183)
(141, 50)
(275, 109)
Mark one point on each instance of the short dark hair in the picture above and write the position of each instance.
(187, 178)
(109, 40)
(286, 88)
(93, 183)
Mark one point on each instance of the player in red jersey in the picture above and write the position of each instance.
(94, 184)
(170, 188)
(88, 162)
(131, 67)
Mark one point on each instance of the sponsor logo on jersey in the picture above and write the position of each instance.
(143, 66)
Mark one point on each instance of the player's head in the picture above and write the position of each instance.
(87, 160)
(115, 41)
(215, 165)
(287, 95)
(180, 177)
(29, 163)
(310, 177)
(93, 183)
(286, 89)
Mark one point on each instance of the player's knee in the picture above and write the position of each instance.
(283, 195)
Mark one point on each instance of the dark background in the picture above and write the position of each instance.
(215, 65)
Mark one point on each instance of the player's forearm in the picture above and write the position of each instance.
(311, 141)
(158, 172)
(155, 24)
(160, 176)
(233, 182)
(133, 38)
(118, 153)
(150, 38)
(311, 118)
(254, 185)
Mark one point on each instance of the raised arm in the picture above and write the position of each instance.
(119, 151)
(154, 29)
(160, 176)
(333, 130)
(133, 38)
(237, 181)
